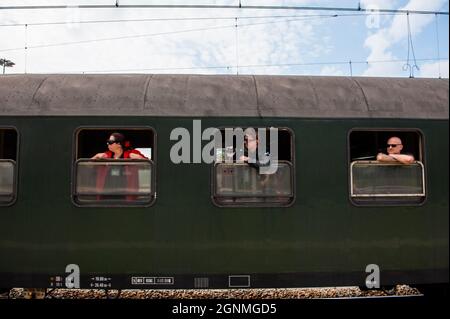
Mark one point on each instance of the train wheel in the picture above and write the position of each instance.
(34, 293)
(389, 289)
(112, 296)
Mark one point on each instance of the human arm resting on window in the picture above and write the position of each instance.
(402, 158)
(256, 163)
(135, 154)
(99, 156)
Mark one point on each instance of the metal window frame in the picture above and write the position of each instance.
(352, 194)
(16, 167)
(258, 204)
(355, 201)
(110, 128)
(13, 194)
(101, 203)
(250, 195)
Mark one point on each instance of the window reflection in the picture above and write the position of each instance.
(239, 182)
(394, 183)
(118, 181)
(6, 181)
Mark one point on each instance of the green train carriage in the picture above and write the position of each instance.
(185, 229)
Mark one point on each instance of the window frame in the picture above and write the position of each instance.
(256, 204)
(16, 167)
(75, 160)
(422, 162)
(387, 195)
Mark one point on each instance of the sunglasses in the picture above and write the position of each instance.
(393, 145)
(109, 142)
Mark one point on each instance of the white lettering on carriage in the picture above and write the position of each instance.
(265, 156)
(73, 279)
(373, 280)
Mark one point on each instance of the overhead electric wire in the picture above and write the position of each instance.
(192, 6)
(408, 66)
(157, 34)
(230, 67)
(26, 47)
(237, 46)
(187, 19)
(361, 12)
(438, 47)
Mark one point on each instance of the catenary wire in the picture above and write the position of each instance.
(158, 34)
(240, 7)
(230, 67)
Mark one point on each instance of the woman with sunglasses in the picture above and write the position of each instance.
(118, 148)
(121, 176)
(394, 148)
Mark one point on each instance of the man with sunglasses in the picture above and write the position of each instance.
(394, 147)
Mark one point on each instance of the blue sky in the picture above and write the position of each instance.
(302, 45)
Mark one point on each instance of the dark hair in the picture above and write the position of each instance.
(120, 138)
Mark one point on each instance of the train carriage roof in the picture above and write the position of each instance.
(224, 95)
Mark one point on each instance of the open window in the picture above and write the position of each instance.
(374, 182)
(243, 184)
(109, 181)
(8, 165)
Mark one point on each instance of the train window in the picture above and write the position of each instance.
(242, 184)
(395, 181)
(104, 181)
(8, 158)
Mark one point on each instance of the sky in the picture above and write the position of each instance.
(207, 41)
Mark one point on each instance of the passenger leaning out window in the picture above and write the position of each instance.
(394, 148)
(118, 177)
(119, 148)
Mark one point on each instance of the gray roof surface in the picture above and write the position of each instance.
(224, 95)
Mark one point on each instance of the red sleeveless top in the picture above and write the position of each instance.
(130, 171)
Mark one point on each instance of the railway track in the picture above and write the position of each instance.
(289, 293)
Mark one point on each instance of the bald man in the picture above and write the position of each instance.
(394, 148)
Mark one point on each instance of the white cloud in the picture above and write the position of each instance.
(433, 70)
(380, 4)
(284, 42)
(331, 71)
(381, 42)
(260, 44)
